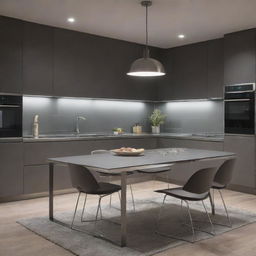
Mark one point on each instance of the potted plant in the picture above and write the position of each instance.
(156, 119)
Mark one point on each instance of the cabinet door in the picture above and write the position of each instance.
(239, 57)
(244, 147)
(187, 73)
(10, 55)
(11, 173)
(215, 68)
(93, 66)
(37, 59)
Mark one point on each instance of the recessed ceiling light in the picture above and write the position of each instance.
(181, 36)
(71, 20)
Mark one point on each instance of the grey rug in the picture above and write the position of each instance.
(142, 239)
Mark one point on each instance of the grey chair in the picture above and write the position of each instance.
(157, 169)
(197, 188)
(85, 182)
(104, 151)
(221, 180)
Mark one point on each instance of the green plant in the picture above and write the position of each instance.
(157, 118)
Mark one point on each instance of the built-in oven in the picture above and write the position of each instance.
(240, 108)
(10, 116)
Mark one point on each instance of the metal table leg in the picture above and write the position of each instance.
(51, 169)
(123, 209)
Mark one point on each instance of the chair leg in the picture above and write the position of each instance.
(211, 198)
(226, 210)
(133, 202)
(159, 214)
(209, 218)
(77, 201)
(96, 217)
(83, 208)
(191, 222)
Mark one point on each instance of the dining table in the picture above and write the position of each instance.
(112, 164)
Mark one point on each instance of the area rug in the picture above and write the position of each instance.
(142, 238)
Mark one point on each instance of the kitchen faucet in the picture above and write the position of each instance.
(77, 123)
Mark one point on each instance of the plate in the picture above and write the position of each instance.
(128, 153)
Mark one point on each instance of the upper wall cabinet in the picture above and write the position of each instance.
(92, 66)
(10, 55)
(215, 68)
(37, 59)
(239, 57)
(186, 68)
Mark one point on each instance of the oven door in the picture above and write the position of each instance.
(239, 116)
(10, 121)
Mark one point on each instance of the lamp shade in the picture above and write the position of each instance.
(146, 67)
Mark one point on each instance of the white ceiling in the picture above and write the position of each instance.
(199, 20)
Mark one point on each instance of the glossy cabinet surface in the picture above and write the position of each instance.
(244, 147)
(10, 55)
(37, 59)
(11, 173)
(239, 57)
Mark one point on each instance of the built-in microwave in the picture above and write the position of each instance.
(10, 116)
(240, 108)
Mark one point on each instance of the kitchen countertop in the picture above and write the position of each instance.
(71, 137)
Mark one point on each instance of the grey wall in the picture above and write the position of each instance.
(58, 115)
(193, 116)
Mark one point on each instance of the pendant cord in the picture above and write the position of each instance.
(147, 50)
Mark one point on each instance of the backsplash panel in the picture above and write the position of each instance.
(58, 115)
(193, 116)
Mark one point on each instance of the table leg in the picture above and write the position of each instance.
(212, 203)
(51, 169)
(123, 209)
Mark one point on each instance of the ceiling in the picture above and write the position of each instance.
(199, 20)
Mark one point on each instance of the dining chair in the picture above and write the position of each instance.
(104, 151)
(157, 169)
(197, 188)
(222, 178)
(85, 182)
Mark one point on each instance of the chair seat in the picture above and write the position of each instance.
(217, 185)
(184, 195)
(156, 168)
(104, 189)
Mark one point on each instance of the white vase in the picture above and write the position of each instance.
(155, 129)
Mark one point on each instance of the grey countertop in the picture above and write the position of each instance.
(72, 137)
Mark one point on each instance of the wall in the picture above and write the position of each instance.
(58, 115)
(193, 116)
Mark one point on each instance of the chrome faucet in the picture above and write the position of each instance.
(77, 123)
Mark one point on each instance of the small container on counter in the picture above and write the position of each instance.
(137, 129)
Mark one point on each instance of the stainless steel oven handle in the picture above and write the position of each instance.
(237, 100)
(9, 106)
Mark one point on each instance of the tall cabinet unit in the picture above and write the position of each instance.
(239, 57)
(10, 55)
(37, 59)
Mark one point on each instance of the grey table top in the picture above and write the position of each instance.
(151, 157)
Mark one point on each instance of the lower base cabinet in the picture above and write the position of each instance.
(244, 172)
(11, 172)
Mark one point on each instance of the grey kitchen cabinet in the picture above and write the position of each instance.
(93, 66)
(215, 68)
(244, 147)
(37, 59)
(36, 178)
(187, 73)
(11, 173)
(239, 57)
(10, 55)
(36, 169)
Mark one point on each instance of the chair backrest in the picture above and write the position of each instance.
(224, 174)
(99, 151)
(201, 181)
(82, 179)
